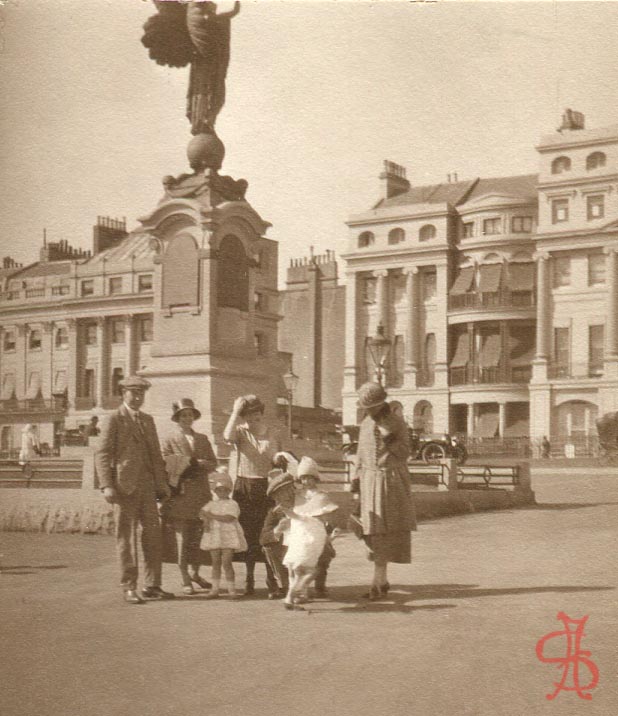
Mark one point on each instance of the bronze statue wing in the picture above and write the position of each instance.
(166, 35)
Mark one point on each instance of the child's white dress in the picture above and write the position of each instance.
(223, 535)
(307, 534)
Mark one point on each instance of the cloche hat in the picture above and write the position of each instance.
(283, 479)
(184, 404)
(308, 467)
(370, 395)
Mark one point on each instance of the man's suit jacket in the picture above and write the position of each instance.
(125, 457)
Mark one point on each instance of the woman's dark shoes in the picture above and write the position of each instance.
(384, 588)
(249, 587)
(132, 597)
(156, 593)
(373, 594)
(320, 592)
(200, 581)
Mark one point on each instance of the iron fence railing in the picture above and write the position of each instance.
(472, 374)
(590, 369)
(35, 405)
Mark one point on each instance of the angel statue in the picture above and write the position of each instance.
(194, 33)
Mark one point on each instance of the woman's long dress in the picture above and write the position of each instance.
(387, 511)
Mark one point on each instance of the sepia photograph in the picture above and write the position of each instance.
(308, 357)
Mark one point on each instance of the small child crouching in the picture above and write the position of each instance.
(223, 534)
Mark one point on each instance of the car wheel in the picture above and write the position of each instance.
(433, 452)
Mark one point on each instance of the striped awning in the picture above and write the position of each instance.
(463, 282)
(8, 386)
(490, 353)
(490, 276)
(60, 382)
(34, 385)
(487, 424)
(461, 357)
(521, 276)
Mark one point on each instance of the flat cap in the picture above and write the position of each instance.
(134, 382)
(283, 479)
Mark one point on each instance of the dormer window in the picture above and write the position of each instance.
(492, 226)
(595, 160)
(366, 239)
(560, 165)
(427, 232)
(396, 236)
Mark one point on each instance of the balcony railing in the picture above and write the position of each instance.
(10, 295)
(556, 371)
(35, 292)
(36, 405)
(498, 299)
(425, 377)
(473, 374)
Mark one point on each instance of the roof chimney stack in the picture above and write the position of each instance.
(571, 121)
(394, 179)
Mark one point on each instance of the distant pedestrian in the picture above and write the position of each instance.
(545, 447)
(382, 480)
(30, 447)
(189, 459)
(132, 477)
(222, 534)
(92, 429)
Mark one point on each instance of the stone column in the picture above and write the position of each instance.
(21, 367)
(382, 298)
(412, 326)
(74, 365)
(611, 322)
(351, 338)
(47, 369)
(543, 323)
(101, 389)
(129, 342)
(470, 420)
(501, 419)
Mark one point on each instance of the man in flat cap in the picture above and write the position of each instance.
(132, 476)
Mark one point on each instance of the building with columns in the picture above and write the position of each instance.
(499, 296)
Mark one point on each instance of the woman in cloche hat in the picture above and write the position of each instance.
(189, 459)
(386, 510)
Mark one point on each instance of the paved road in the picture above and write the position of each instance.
(456, 637)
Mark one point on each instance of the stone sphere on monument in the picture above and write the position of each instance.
(205, 151)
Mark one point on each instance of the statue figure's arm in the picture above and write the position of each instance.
(231, 13)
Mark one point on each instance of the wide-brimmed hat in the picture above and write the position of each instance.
(184, 404)
(370, 395)
(134, 382)
(308, 467)
(283, 479)
(252, 405)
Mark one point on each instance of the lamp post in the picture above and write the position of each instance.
(380, 348)
(291, 381)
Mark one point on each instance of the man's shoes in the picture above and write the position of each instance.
(321, 592)
(200, 581)
(132, 597)
(249, 587)
(156, 593)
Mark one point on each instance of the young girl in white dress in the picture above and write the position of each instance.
(223, 534)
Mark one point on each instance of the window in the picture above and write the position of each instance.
(144, 282)
(429, 359)
(369, 289)
(62, 337)
(260, 343)
(396, 236)
(561, 347)
(492, 226)
(117, 376)
(366, 239)
(596, 160)
(89, 385)
(87, 287)
(560, 164)
(9, 341)
(34, 340)
(559, 210)
(468, 229)
(90, 334)
(562, 271)
(521, 224)
(233, 274)
(61, 290)
(259, 302)
(115, 285)
(117, 332)
(145, 329)
(429, 285)
(427, 232)
(596, 269)
(595, 350)
(595, 207)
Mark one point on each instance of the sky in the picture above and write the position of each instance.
(318, 95)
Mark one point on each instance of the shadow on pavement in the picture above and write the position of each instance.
(29, 568)
(565, 505)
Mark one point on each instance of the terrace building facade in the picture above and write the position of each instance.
(499, 296)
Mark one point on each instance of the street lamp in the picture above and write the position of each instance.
(380, 348)
(291, 381)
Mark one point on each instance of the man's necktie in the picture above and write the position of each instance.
(139, 425)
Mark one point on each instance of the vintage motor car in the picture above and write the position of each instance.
(429, 448)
